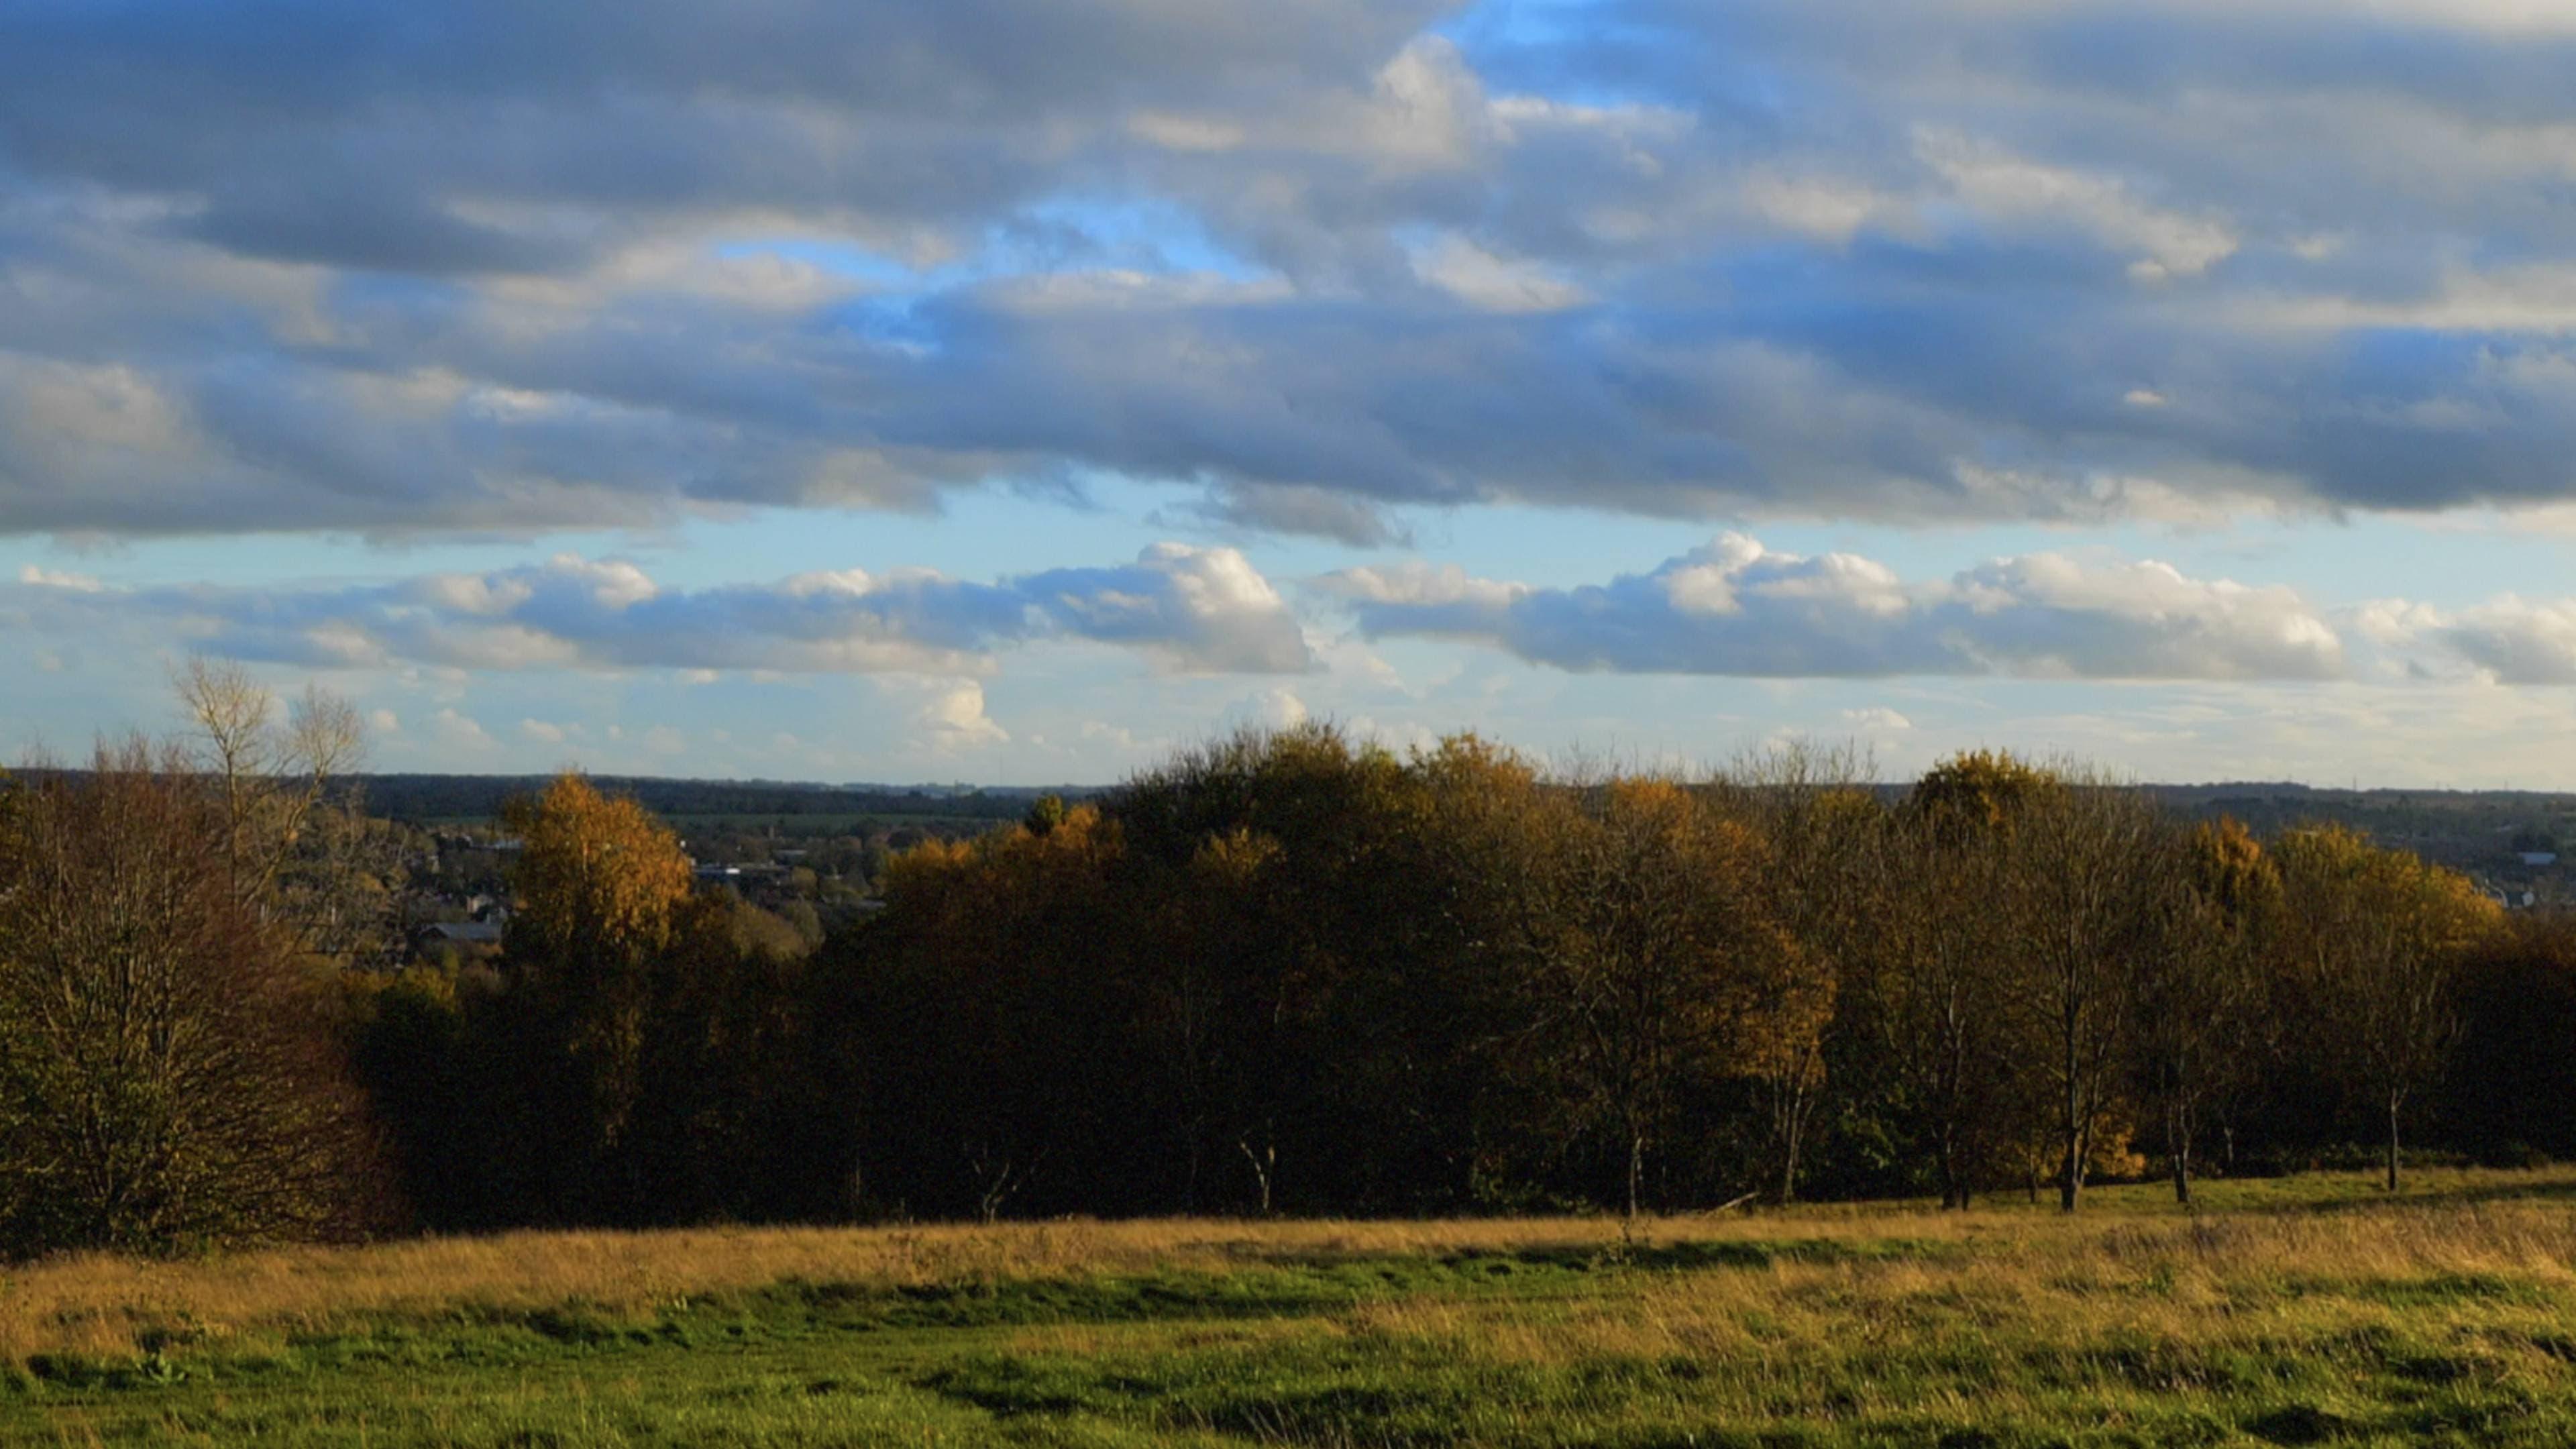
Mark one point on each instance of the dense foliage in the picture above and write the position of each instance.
(1286, 973)
(1280, 974)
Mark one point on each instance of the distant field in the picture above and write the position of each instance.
(828, 824)
(2307, 1310)
(821, 823)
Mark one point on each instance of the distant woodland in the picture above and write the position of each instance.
(428, 799)
(1282, 973)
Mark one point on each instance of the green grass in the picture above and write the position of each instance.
(2309, 1310)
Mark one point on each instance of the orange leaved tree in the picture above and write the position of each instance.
(601, 886)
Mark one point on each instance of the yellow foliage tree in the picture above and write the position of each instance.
(1974, 793)
(601, 884)
(594, 872)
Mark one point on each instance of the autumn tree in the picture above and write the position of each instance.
(1942, 998)
(2194, 1003)
(1973, 799)
(1325, 1031)
(1476, 862)
(1824, 835)
(168, 1075)
(601, 885)
(1659, 963)
(2379, 936)
(1218, 1005)
(993, 1032)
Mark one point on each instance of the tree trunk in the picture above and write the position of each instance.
(1637, 1169)
(1263, 1163)
(2178, 1147)
(2070, 1171)
(1789, 1165)
(2393, 1102)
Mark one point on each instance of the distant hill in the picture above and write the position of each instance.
(425, 799)
(2478, 830)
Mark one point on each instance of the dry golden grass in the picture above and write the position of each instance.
(2290, 1311)
(2005, 1261)
(99, 1303)
(2033, 1303)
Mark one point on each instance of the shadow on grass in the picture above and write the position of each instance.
(2466, 1194)
(1295, 1287)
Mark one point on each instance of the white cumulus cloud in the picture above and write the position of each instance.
(1735, 607)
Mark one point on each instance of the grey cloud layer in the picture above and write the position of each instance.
(1732, 607)
(1193, 609)
(463, 266)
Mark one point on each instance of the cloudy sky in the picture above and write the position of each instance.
(1009, 390)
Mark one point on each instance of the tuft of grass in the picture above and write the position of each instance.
(2295, 1311)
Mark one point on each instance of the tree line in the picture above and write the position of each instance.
(1280, 973)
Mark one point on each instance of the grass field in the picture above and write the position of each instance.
(2307, 1310)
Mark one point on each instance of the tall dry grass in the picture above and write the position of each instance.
(2115, 1310)
(98, 1303)
(2004, 1262)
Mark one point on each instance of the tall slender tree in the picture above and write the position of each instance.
(2379, 936)
(2195, 1002)
(600, 884)
(1662, 964)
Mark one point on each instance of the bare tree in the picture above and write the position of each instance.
(2091, 887)
(273, 774)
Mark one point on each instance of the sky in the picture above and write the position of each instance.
(1014, 391)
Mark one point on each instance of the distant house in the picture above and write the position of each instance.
(738, 874)
(463, 933)
(2538, 857)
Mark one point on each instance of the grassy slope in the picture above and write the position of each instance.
(2291, 1312)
